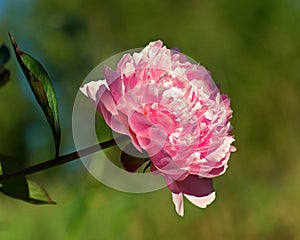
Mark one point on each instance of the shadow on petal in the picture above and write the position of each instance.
(192, 185)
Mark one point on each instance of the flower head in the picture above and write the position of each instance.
(172, 109)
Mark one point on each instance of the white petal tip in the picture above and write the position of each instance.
(84, 89)
(92, 88)
(201, 202)
(178, 202)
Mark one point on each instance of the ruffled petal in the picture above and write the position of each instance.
(219, 153)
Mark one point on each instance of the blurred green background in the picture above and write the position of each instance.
(252, 49)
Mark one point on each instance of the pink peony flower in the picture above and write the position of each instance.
(172, 109)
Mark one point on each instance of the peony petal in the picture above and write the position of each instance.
(134, 140)
(216, 155)
(107, 107)
(114, 119)
(201, 202)
(217, 171)
(138, 122)
(152, 50)
(157, 44)
(193, 185)
(110, 75)
(94, 89)
(178, 202)
(150, 93)
(108, 102)
(126, 65)
(120, 122)
(99, 94)
(114, 82)
(163, 163)
(152, 139)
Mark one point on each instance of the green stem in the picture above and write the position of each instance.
(62, 159)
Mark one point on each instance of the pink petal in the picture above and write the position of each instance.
(157, 44)
(129, 81)
(201, 202)
(118, 124)
(152, 49)
(110, 75)
(108, 102)
(126, 65)
(163, 164)
(114, 82)
(217, 171)
(107, 107)
(134, 140)
(138, 122)
(98, 93)
(114, 119)
(216, 155)
(150, 137)
(178, 202)
(150, 93)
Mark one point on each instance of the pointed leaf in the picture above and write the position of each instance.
(147, 166)
(4, 75)
(14, 187)
(37, 194)
(42, 89)
(4, 54)
(4, 57)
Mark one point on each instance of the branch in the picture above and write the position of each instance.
(62, 159)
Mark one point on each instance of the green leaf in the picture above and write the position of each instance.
(4, 75)
(37, 194)
(4, 54)
(14, 187)
(42, 89)
(20, 187)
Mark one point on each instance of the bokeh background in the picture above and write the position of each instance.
(252, 49)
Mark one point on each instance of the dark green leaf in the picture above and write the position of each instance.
(147, 166)
(4, 75)
(20, 187)
(4, 54)
(132, 159)
(14, 187)
(42, 89)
